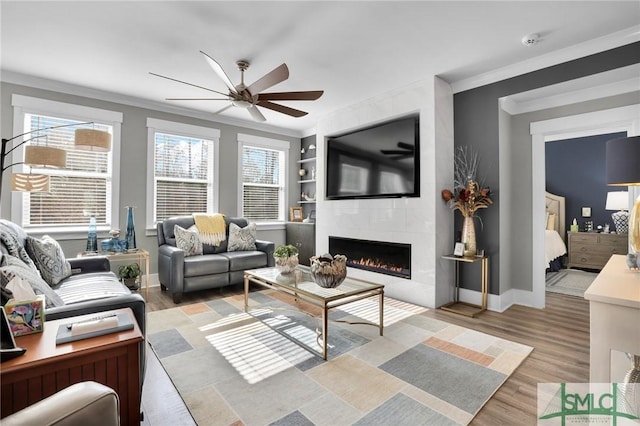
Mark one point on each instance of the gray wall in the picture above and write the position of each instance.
(520, 141)
(133, 162)
(476, 123)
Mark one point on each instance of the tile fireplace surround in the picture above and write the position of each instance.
(412, 221)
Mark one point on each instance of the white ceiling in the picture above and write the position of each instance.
(351, 50)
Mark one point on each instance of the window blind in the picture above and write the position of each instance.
(182, 175)
(81, 189)
(262, 183)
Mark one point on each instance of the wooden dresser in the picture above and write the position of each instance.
(593, 250)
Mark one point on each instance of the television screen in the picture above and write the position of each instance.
(377, 162)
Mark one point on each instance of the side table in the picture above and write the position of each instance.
(140, 256)
(45, 368)
(465, 308)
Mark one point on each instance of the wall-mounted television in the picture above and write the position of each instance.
(381, 161)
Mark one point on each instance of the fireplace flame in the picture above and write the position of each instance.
(370, 263)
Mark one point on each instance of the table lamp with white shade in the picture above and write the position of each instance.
(619, 200)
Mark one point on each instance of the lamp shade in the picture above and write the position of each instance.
(27, 182)
(618, 200)
(45, 156)
(623, 161)
(93, 140)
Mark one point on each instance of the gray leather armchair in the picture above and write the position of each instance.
(84, 403)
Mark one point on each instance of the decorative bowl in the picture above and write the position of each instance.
(329, 271)
(286, 265)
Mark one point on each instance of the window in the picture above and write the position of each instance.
(263, 178)
(183, 173)
(85, 187)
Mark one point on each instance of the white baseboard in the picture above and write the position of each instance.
(499, 303)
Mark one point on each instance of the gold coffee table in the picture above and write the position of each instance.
(300, 285)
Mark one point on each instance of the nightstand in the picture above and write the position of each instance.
(592, 250)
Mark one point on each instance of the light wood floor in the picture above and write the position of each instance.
(559, 334)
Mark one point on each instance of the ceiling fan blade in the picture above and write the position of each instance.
(256, 114)
(190, 84)
(220, 72)
(405, 145)
(197, 99)
(281, 108)
(291, 96)
(223, 109)
(394, 151)
(272, 78)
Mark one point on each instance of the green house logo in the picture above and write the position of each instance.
(588, 403)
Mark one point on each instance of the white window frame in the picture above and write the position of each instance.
(23, 105)
(154, 126)
(269, 143)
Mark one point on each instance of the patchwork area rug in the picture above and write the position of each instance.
(573, 282)
(236, 368)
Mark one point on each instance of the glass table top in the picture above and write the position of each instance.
(301, 281)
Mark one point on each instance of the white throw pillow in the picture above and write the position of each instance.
(242, 239)
(187, 241)
(48, 258)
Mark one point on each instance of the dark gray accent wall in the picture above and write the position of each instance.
(575, 169)
(476, 123)
(133, 161)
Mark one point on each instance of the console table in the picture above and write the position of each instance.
(45, 368)
(614, 304)
(140, 256)
(465, 308)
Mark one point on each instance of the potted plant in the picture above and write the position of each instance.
(286, 257)
(128, 274)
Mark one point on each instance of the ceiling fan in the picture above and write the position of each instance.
(250, 97)
(405, 151)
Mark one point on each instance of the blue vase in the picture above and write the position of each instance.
(92, 236)
(131, 231)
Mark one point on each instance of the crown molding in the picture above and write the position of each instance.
(597, 45)
(610, 83)
(71, 89)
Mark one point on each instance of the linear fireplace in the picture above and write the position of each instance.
(376, 256)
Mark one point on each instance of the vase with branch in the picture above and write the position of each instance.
(468, 194)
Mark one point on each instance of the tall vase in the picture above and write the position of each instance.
(469, 236)
(92, 236)
(131, 231)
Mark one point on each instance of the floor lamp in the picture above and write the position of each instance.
(46, 156)
(623, 169)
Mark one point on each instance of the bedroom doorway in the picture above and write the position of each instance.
(622, 119)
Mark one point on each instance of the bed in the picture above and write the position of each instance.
(554, 242)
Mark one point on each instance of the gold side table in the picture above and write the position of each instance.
(465, 308)
(140, 256)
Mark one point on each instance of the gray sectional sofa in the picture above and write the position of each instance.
(91, 287)
(216, 267)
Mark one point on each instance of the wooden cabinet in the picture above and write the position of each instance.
(45, 368)
(303, 236)
(593, 250)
